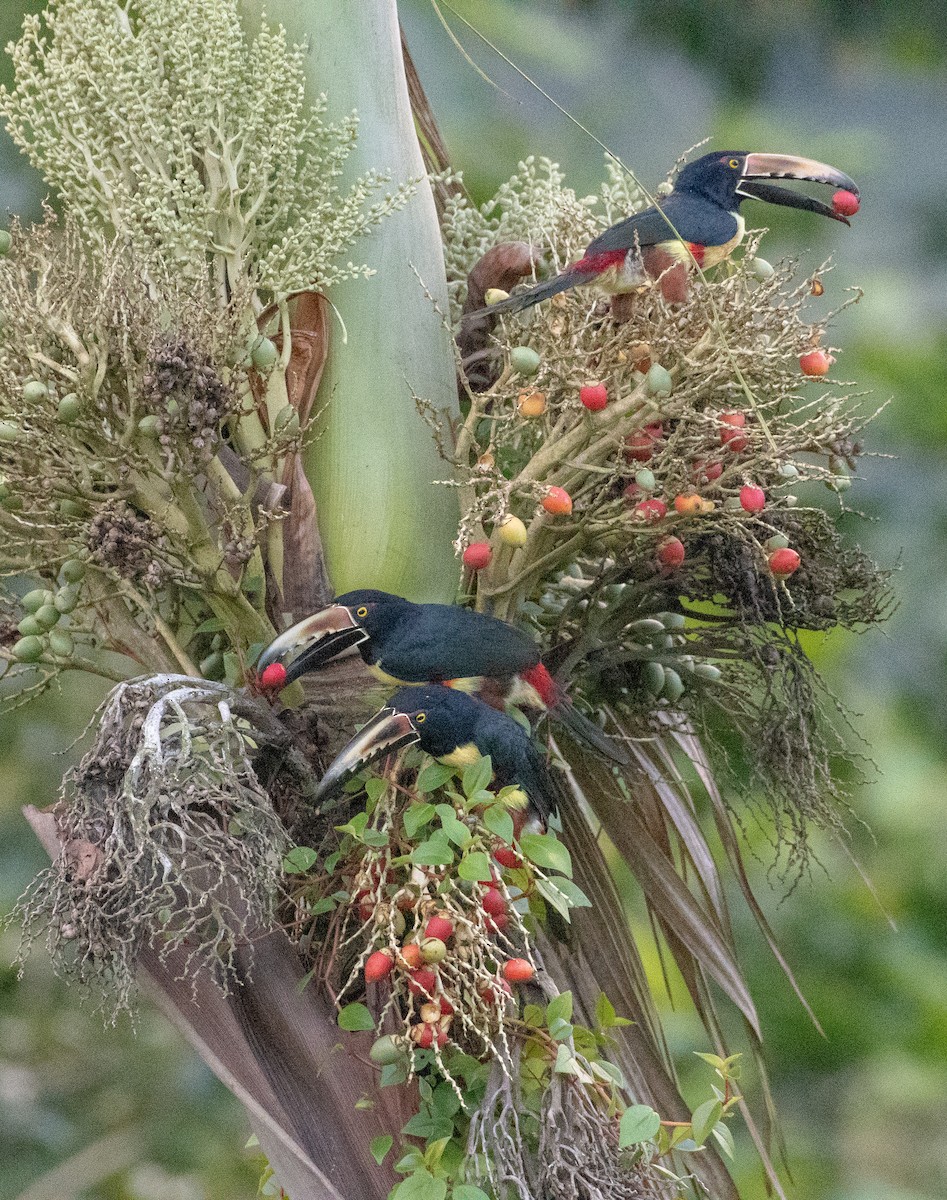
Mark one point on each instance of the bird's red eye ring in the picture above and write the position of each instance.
(361, 612)
(420, 717)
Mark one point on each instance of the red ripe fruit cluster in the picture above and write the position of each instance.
(703, 471)
(517, 970)
(816, 362)
(439, 927)
(671, 553)
(273, 677)
(731, 431)
(594, 396)
(752, 499)
(477, 556)
(640, 446)
(783, 562)
(422, 982)
(845, 203)
(506, 856)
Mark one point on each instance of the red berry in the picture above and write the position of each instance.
(422, 982)
(446, 1006)
(441, 1038)
(594, 396)
(273, 677)
(422, 1036)
(671, 553)
(816, 362)
(704, 471)
(735, 419)
(378, 965)
(651, 510)
(489, 994)
(507, 857)
(557, 501)
(639, 447)
(783, 562)
(498, 923)
(752, 499)
(410, 955)
(439, 927)
(477, 556)
(366, 911)
(846, 204)
(518, 970)
(493, 902)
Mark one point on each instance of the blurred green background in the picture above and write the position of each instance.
(862, 85)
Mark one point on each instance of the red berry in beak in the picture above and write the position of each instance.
(273, 677)
(846, 204)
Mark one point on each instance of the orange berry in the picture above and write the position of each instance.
(557, 501)
(687, 504)
(816, 362)
(531, 404)
(518, 970)
(410, 956)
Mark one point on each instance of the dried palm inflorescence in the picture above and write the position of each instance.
(678, 570)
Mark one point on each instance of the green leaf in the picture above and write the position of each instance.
(455, 829)
(417, 815)
(434, 852)
(467, 1191)
(638, 1124)
(724, 1139)
(604, 1012)
(375, 837)
(433, 776)
(498, 820)
(299, 859)
(434, 1151)
(550, 890)
(704, 1119)
(326, 904)
(379, 1147)
(559, 1008)
(565, 1062)
(534, 1015)
(420, 1185)
(374, 788)
(445, 1103)
(559, 1029)
(478, 775)
(409, 1162)
(393, 1074)
(355, 1018)
(211, 625)
(545, 851)
(355, 827)
(475, 867)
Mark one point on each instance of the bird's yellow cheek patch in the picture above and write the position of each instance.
(463, 756)
(392, 680)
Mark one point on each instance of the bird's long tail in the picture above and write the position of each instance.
(587, 733)
(534, 295)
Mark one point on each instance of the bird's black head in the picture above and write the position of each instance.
(727, 177)
(374, 611)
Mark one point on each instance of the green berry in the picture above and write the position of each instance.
(264, 354)
(658, 381)
(645, 479)
(778, 541)
(48, 615)
(34, 390)
(9, 431)
(673, 686)
(760, 269)
(789, 470)
(72, 508)
(35, 599)
(28, 649)
(6, 241)
(652, 676)
(66, 599)
(73, 569)
(149, 426)
(287, 421)
(61, 643)
(524, 360)
(69, 409)
(29, 626)
(708, 671)
(672, 620)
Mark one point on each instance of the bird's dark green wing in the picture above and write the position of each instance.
(442, 641)
(682, 214)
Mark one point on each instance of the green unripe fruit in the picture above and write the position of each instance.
(6, 241)
(66, 599)
(72, 508)
(69, 409)
(652, 676)
(34, 390)
(9, 431)
(708, 671)
(647, 626)
(264, 354)
(789, 471)
(658, 381)
(61, 643)
(287, 421)
(73, 569)
(671, 620)
(28, 650)
(212, 667)
(673, 685)
(4, 490)
(645, 479)
(48, 615)
(778, 541)
(29, 626)
(149, 426)
(385, 1052)
(433, 950)
(35, 599)
(12, 503)
(524, 360)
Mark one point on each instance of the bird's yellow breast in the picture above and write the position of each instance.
(463, 756)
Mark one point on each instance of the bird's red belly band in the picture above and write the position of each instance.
(593, 264)
(698, 252)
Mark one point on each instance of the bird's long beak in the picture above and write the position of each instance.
(314, 641)
(385, 733)
(788, 166)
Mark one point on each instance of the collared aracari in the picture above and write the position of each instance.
(455, 729)
(698, 225)
(408, 643)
